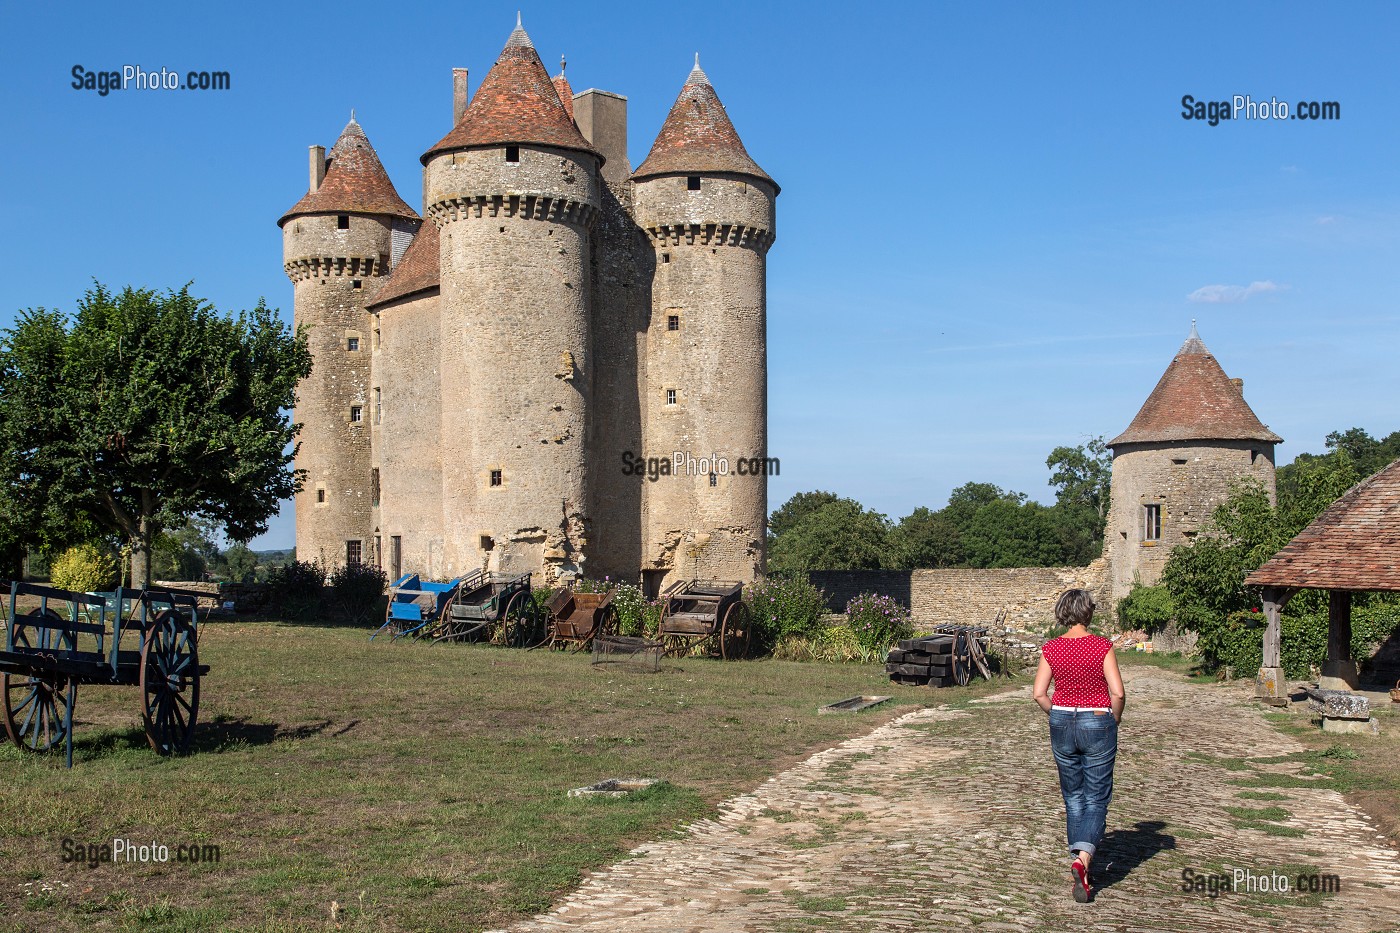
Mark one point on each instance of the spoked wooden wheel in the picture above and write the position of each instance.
(961, 660)
(170, 683)
(736, 633)
(979, 657)
(39, 708)
(522, 623)
(675, 646)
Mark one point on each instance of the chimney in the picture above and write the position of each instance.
(318, 166)
(459, 94)
(1238, 384)
(602, 119)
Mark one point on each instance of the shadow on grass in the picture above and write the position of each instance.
(1123, 850)
(222, 733)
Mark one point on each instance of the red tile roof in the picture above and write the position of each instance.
(516, 103)
(1353, 545)
(355, 182)
(565, 92)
(1195, 400)
(698, 136)
(418, 269)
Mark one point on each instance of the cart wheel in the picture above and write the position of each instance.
(675, 646)
(736, 633)
(607, 625)
(979, 657)
(170, 683)
(962, 663)
(38, 709)
(521, 623)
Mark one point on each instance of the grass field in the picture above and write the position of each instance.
(416, 787)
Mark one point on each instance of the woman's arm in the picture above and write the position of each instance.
(1040, 691)
(1116, 694)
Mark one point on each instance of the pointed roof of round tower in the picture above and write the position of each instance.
(419, 269)
(355, 182)
(1195, 400)
(698, 136)
(563, 89)
(516, 103)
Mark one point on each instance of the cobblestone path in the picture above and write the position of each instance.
(952, 817)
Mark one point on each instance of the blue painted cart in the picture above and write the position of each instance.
(415, 606)
(77, 638)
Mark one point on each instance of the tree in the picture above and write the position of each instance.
(925, 538)
(839, 535)
(1082, 475)
(145, 405)
(795, 509)
(240, 563)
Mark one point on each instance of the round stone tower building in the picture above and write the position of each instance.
(337, 242)
(709, 211)
(513, 190)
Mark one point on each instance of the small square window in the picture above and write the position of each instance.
(496, 478)
(692, 183)
(342, 221)
(512, 153)
(665, 257)
(352, 343)
(357, 414)
(353, 553)
(356, 283)
(1152, 522)
(714, 479)
(487, 543)
(670, 396)
(673, 322)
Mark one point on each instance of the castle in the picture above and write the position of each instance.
(493, 377)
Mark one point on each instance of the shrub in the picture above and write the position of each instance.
(85, 568)
(782, 606)
(296, 588)
(356, 590)
(877, 621)
(1236, 642)
(637, 616)
(1149, 608)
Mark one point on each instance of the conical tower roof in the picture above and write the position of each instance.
(355, 182)
(419, 269)
(1195, 400)
(698, 137)
(516, 104)
(564, 90)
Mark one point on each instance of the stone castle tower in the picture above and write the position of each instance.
(486, 393)
(1194, 438)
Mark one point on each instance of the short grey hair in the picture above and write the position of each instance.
(1075, 607)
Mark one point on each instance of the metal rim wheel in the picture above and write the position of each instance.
(607, 625)
(675, 646)
(170, 683)
(962, 667)
(735, 634)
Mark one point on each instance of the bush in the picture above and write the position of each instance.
(1149, 608)
(834, 644)
(1237, 642)
(296, 588)
(782, 606)
(637, 616)
(878, 621)
(85, 568)
(356, 590)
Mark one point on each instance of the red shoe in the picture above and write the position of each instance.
(1080, 890)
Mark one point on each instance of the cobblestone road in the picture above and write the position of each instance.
(950, 817)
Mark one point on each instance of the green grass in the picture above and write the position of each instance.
(417, 787)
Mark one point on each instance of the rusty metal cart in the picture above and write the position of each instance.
(498, 607)
(705, 613)
(575, 619)
(76, 638)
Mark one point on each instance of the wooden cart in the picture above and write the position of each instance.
(705, 613)
(492, 606)
(575, 619)
(77, 638)
(415, 606)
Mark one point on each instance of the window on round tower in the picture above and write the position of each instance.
(342, 221)
(692, 183)
(512, 153)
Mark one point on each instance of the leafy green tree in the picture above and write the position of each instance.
(240, 563)
(925, 538)
(839, 535)
(797, 508)
(1082, 475)
(186, 551)
(144, 405)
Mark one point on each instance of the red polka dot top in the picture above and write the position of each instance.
(1076, 664)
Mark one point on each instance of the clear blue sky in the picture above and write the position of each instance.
(991, 220)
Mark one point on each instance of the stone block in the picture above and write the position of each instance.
(1271, 684)
(1351, 726)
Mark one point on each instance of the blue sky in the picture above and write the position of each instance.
(992, 220)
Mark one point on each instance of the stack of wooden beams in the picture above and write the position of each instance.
(926, 660)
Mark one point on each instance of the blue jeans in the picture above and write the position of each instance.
(1085, 745)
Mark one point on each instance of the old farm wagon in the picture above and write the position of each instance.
(415, 605)
(71, 639)
(705, 613)
(499, 607)
(575, 618)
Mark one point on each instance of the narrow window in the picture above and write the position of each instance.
(342, 221)
(378, 553)
(1152, 522)
(673, 322)
(395, 556)
(1178, 462)
(512, 153)
(374, 486)
(320, 495)
(352, 553)
(352, 343)
(487, 542)
(357, 414)
(714, 479)
(670, 396)
(692, 183)
(665, 257)
(1253, 455)
(356, 283)
(378, 405)
(378, 339)
(496, 478)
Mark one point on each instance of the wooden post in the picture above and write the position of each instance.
(1339, 670)
(1271, 686)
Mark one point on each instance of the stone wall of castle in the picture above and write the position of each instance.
(1185, 481)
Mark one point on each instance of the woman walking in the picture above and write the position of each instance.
(1084, 715)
